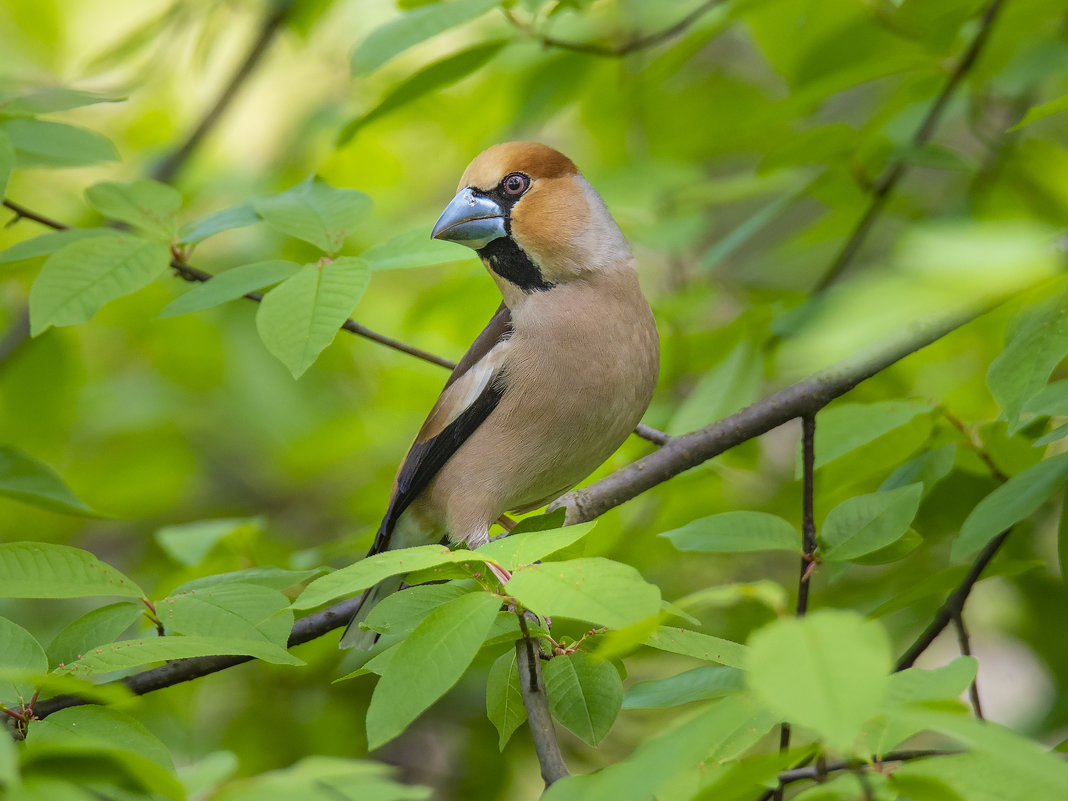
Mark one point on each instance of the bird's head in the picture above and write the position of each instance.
(535, 221)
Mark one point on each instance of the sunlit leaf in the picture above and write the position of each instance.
(866, 523)
(402, 612)
(28, 480)
(1040, 112)
(302, 315)
(734, 532)
(216, 222)
(524, 549)
(413, 249)
(928, 469)
(49, 243)
(46, 570)
(246, 612)
(698, 645)
(836, 675)
(7, 161)
(101, 625)
(428, 663)
(144, 204)
(150, 648)
(316, 212)
(847, 426)
(595, 589)
(80, 278)
(699, 684)
(230, 285)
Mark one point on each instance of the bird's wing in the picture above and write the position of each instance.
(472, 392)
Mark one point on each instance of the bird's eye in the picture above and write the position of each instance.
(515, 184)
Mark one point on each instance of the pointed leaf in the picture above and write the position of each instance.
(301, 316)
(230, 285)
(701, 646)
(19, 650)
(735, 532)
(411, 28)
(440, 74)
(504, 698)
(146, 650)
(585, 694)
(928, 469)
(402, 612)
(316, 212)
(517, 550)
(848, 426)
(413, 249)
(868, 523)
(39, 143)
(699, 684)
(144, 204)
(1040, 112)
(44, 570)
(50, 99)
(1010, 503)
(428, 663)
(79, 279)
(49, 243)
(216, 222)
(25, 479)
(246, 612)
(95, 627)
(596, 590)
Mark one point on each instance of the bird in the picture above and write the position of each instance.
(558, 378)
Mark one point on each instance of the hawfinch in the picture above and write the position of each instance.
(554, 383)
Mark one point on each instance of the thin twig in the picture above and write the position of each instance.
(820, 771)
(953, 605)
(536, 701)
(169, 167)
(965, 644)
(631, 45)
(23, 213)
(886, 184)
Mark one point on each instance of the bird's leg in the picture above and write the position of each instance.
(503, 575)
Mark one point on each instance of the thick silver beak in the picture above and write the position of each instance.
(470, 220)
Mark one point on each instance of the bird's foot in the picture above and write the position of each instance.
(502, 575)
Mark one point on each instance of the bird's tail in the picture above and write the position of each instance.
(354, 636)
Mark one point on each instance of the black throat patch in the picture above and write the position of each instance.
(509, 261)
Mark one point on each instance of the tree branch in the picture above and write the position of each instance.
(953, 605)
(885, 185)
(630, 45)
(169, 166)
(532, 688)
(965, 643)
(805, 397)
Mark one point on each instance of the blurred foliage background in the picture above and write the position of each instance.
(738, 155)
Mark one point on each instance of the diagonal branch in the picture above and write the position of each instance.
(169, 167)
(624, 48)
(885, 185)
(532, 688)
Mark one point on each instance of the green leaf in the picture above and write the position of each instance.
(413, 249)
(504, 698)
(95, 627)
(894, 552)
(7, 161)
(409, 29)
(50, 99)
(80, 278)
(321, 778)
(246, 612)
(240, 216)
(1062, 538)
(144, 204)
(585, 694)
(736, 532)
(9, 763)
(729, 386)
(928, 469)
(25, 479)
(595, 589)
(836, 675)
(190, 543)
(866, 523)
(19, 650)
(302, 315)
(700, 646)
(52, 144)
(720, 732)
(92, 732)
(428, 663)
(517, 550)
(44, 570)
(367, 572)
(49, 243)
(1040, 112)
(848, 426)
(699, 684)
(764, 591)
(429, 79)
(749, 227)
(402, 612)
(276, 578)
(377, 664)
(146, 650)
(1037, 342)
(316, 212)
(1010, 503)
(230, 285)
(1057, 434)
